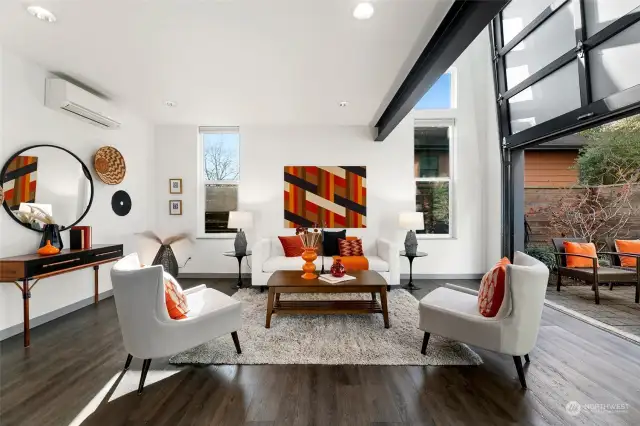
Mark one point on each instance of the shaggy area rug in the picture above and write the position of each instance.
(329, 339)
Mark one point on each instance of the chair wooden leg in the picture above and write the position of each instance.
(518, 362)
(425, 341)
(610, 286)
(143, 376)
(526, 358)
(234, 336)
(559, 281)
(128, 363)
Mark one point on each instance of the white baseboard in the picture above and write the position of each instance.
(443, 276)
(50, 316)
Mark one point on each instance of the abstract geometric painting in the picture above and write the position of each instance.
(19, 181)
(333, 195)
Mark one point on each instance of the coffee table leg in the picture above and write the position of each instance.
(373, 297)
(385, 311)
(272, 291)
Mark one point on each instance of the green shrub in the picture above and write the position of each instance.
(544, 254)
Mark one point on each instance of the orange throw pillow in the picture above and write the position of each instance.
(493, 289)
(354, 263)
(350, 247)
(628, 246)
(587, 249)
(174, 298)
(292, 246)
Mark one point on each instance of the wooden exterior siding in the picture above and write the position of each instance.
(550, 168)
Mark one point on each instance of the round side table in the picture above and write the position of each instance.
(410, 285)
(238, 256)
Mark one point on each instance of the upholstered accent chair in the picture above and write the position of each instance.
(148, 331)
(452, 312)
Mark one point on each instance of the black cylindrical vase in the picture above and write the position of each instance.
(167, 259)
(51, 233)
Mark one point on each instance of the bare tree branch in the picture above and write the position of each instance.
(219, 163)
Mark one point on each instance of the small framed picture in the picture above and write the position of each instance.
(175, 186)
(175, 207)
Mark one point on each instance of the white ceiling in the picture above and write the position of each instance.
(228, 62)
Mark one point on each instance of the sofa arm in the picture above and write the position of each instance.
(390, 253)
(261, 251)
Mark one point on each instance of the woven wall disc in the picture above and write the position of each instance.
(109, 165)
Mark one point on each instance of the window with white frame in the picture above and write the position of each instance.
(218, 178)
(433, 167)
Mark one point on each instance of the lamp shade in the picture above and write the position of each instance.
(240, 220)
(411, 221)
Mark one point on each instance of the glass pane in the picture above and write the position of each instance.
(518, 14)
(438, 96)
(221, 153)
(601, 13)
(431, 152)
(220, 200)
(552, 96)
(432, 199)
(614, 63)
(548, 42)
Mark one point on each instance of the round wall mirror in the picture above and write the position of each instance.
(46, 184)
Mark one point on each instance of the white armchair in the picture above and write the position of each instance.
(452, 312)
(148, 331)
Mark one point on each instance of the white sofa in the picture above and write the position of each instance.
(268, 257)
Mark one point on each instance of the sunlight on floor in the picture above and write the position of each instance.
(128, 384)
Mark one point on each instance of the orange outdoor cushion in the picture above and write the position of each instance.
(354, 263)
(493, 289)
(628, 246)
(292, 246)
(587, 249)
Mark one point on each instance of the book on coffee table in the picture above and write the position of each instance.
(335, 280)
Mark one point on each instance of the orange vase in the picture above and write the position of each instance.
(309, 255)
(48, 249)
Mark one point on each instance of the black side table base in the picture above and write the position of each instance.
(410, 287)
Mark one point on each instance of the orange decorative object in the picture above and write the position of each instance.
(587, 249)
(309, 255)
(48, 249)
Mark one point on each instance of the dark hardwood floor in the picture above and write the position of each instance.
(72, 374)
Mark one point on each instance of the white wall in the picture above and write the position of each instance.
(265, 150)
(26, 121)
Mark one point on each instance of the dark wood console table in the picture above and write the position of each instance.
(20, 270)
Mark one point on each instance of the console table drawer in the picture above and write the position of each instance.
(100, 255)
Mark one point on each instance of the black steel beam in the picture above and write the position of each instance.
(613, 107)
(460, 26)
(531, 27)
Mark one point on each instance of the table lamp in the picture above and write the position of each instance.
(411, 221)
(240, 221)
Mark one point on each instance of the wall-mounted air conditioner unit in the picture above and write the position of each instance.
(71, 99)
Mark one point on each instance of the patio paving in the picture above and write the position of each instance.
(616, 308)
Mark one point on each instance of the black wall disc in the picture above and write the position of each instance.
(121, 203)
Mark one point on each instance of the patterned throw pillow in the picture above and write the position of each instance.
(174, 298)
(350, 247)
(493, 289)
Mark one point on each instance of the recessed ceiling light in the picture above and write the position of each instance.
(41, 13)
(343, 104)
(363, 11)
(171, 104)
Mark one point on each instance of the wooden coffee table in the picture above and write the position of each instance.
(291, 282)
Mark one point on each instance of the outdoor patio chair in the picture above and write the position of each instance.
(594, 275)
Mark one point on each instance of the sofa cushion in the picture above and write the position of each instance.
(354, 263)
(292, 245)
(350, 247)
(330, 242)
